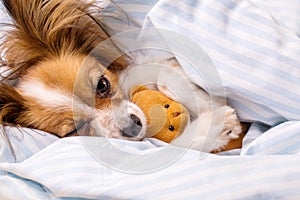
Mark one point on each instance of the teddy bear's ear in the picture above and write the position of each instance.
(137, 89)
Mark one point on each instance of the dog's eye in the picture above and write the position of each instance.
(103, 87)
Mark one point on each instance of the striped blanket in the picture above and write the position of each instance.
(255, 47)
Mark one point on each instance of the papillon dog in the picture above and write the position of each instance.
(54, 84)
(46, 49)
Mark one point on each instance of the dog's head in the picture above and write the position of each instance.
(58, 87)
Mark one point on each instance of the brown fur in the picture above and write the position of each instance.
(46, 29)
(49, 40)
(64, 73)
(12, 105)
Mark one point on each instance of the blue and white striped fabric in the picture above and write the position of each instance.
(257, 59)
(24, 141)
(254, 46)
(66, 169)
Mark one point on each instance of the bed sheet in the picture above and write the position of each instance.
(251, 41)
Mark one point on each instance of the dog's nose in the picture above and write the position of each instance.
(134, 127)
(136, 120)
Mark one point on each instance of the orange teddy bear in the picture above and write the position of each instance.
(166, 119)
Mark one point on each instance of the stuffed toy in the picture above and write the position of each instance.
(166, 119)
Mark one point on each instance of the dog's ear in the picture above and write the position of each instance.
(12, 105)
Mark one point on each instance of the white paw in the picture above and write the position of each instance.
(231, 127)
(211, 131)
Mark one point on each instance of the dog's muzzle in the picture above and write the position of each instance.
(131, 120)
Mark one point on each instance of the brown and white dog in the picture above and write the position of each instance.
(58, 87)
(45, 49)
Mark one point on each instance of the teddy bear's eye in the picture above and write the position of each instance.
(167, 106)
(171, 128)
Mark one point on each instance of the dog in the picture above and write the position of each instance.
(54, 84)
(45, 49)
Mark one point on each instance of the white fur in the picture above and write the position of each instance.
(209, 131)
(109, 122)
(47, 96)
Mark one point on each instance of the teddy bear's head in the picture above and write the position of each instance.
(166, 119)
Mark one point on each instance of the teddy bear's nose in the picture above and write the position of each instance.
(176, 114)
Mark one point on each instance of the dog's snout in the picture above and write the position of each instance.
(134, 127)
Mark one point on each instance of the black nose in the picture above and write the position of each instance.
(134, 127)
(136, 120)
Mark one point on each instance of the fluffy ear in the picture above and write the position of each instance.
(12, 105)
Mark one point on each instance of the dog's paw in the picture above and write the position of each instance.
(231, 130)
(232, 126)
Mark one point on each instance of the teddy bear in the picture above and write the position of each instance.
(166, 118)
